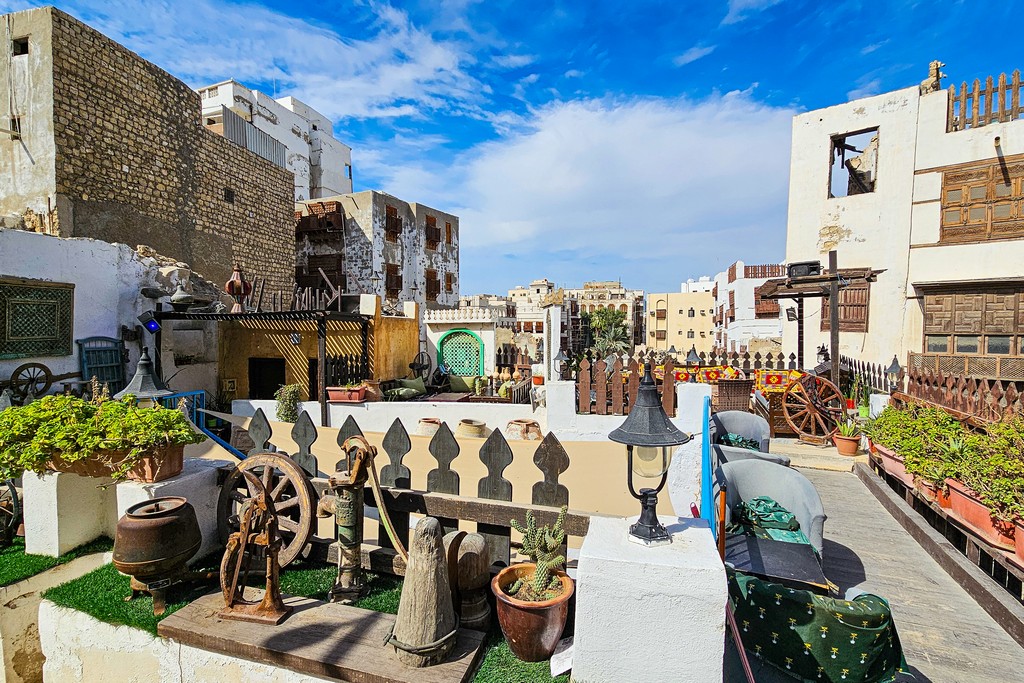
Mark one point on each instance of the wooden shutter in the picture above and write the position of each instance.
(853, 309)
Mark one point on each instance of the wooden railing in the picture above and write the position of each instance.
(446, 495)
(766, 270)
(991, 367)
(612, 390)
(997, 102)
(984, 399)
(870, 374)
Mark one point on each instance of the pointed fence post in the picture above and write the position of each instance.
(348, 428)
(496, 455)
(552, 460)
(304, 434)
(395, 475)
(443, 479)
(259, 431)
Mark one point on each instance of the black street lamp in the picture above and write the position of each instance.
(823, 355)
(650, 439)
(693, 359)
(560, 361)
(893, 373)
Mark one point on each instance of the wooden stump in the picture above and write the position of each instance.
(425, 612)
(473, 572)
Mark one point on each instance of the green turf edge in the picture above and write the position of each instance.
(101, 594)
(17, 565)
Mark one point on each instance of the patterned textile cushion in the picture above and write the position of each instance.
(730, 439)
(402, 394)
(416, 385)
(466, 384)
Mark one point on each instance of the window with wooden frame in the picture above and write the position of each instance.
(854, 168)
(433, 233)
(449, 282)
(983, 203)
(433, 284)
(36, 318)
(333, 266)
(447, 233)
(765, 308)
(988, 323)
(392, 224)
(853, 308)
(392, 280)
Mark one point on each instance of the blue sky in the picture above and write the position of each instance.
(645, 141)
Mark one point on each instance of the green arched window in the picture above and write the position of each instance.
(462, 352)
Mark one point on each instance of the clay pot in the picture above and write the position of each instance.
(893, 465)
(162, 463)
(471, 428)
(523, 430)
(846, 445)
(428, 426)
(347, 394)
(538, 380)
(532, 629)
(1019, 540)
(155, 539)
(965, 506)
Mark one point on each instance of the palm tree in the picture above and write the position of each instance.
(611, 339)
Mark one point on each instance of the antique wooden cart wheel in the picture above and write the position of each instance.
(293, 495)
(813, 406)
(10, 512)
(30, 376)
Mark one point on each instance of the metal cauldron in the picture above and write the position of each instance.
(156, 538)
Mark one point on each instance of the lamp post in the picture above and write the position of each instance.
(375, 281)
(893, 373)
(823, 355)
(145, 386)
(560, 360)
(650, 439)
(693, 359)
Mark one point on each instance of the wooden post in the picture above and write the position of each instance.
(833, 312)
(321, 367)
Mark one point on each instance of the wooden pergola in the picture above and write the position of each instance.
(826, 284)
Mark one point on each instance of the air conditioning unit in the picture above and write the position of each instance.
(803, 269)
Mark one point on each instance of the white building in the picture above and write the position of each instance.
(743, 322)
(703, 284)
(926, 185)
(322, 165)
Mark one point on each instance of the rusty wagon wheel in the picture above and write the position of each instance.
(293, 495)
(10, 512)
(813, 406)
(34, 377)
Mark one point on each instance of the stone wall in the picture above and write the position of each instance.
(135, 165)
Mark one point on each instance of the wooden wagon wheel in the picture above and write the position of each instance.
(813, 406)
(10, 511)
(293, 495)
(30, 376)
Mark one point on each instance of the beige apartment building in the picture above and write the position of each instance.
(681, 320)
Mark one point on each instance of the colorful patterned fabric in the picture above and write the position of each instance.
(774, 380)
(815, 638)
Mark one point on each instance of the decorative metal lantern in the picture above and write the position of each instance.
(145, 386)
(693, 359)
(823, 355)
(561, 361)
(893, 373)
(650, 439)
(238, 288)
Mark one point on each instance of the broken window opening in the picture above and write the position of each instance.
(229, 195)
(19, 46)
(854, 168)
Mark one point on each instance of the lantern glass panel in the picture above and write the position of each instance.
(651, 462)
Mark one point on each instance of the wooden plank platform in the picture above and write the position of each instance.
(320, 639)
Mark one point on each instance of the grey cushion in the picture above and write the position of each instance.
(747, 479)
(747, 425)
(733, 453)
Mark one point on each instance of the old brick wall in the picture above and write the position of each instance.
(135, 165)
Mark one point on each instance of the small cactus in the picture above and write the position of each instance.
(543, 545)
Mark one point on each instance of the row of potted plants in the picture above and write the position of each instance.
(98, 437)
(977, 474)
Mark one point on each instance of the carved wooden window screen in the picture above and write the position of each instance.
(853, 308)
(983, 203)
(977, 322)
(392, 224)
(392, 280)
(433, 233)
(433, 284)
(765, 308)
(36, 318)
(448, 232)
(449, 282)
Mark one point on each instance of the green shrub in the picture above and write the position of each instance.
(288, 398)
(73, 429)
(922, 435)
(995, 469)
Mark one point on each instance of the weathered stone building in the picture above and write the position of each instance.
(373, 243)
(109, 146)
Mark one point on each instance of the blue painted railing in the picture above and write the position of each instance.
(195, 406)
(707, 505)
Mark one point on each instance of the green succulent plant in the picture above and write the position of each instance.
(544, 546)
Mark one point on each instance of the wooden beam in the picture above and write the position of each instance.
(321, 361)
(833, 312)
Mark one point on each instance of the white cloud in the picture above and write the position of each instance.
(513, 61)
(647, 188)
(693, 54)
(743, 9)
(865, 88)
(395, 69)
(868, 49)
(573, 73)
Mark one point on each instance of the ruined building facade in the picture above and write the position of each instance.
(374, 243)
(109, 146)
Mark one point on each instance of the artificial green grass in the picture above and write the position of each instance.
(16, 565)
(101, 594)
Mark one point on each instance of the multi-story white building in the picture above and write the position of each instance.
(372, 242)
(321, 164)
(703, 284)
(743, 321)
(925, 185)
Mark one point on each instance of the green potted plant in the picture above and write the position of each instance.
(353, 392)
(847, 438)
(288, 397)
(99, 437)
(533, 597)
(864, 408)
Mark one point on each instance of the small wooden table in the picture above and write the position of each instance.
(794, 564)
(319, 639)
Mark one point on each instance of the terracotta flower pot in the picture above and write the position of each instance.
(524, 430)
(965, 505)
(846, 445)
(1018, 537)
(538, 380)
(532, 629)
(428, 426)
(473, 428)
(347, 394)
(162, 463)
(893, 464)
